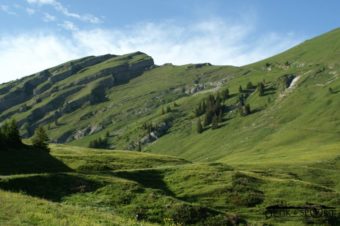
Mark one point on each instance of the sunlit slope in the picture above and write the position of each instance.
(298, 123)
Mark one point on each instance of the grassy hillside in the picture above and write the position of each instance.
(285, 150)
(296, 123)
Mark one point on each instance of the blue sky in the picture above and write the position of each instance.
(36, 34)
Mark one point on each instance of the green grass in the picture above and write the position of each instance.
(120, 185)
(286, 150)
(19, 209)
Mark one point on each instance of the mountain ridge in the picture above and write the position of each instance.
(85, 99)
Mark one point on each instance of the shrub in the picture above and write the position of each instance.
(186, 214)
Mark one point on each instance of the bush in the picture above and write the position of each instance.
(187, 214)
(244, 192)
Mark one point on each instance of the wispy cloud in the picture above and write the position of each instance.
(213, 41)
(68, 25)
(7, 9)
(65, 11)
(48, 17)
(30, 11)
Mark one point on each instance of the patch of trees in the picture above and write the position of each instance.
(99, 143)
(250, 88)
(10, 137)
(212, 108)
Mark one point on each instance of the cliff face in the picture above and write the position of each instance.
(48, 95)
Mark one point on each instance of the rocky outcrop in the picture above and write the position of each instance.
(73, 68)
(22, 93)
(159, 130)
(48, 95)
(38, 113)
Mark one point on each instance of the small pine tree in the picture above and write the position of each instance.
(40, 139)
(241, 99)
(99, 143)
(240, 90)
(207, 118)
(247, 110)
(225, 94)
(168, 109)
(199, 126)
(330, 90)
(260, 88)
(214, 123)
(14, 135)
(139, 146)
(250, 85)
(220, 117)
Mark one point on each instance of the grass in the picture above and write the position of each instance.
(286, 150)
(163, 190)
(19, 209)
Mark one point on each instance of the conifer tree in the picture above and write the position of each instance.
(40, 139)
(250, 85)
(247, 109)
(199, 126)
(214, 124)
(10, 136)
(220, 117)
(225, 94)
(260, 88)
(241, 99)
(207, 119)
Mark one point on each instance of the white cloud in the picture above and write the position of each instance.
(66, 12)
(213, 41)
(7, 9)
(68, 25)
(30, 11)
(41, 1)
(48, 17)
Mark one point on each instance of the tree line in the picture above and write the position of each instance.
(212, 108)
